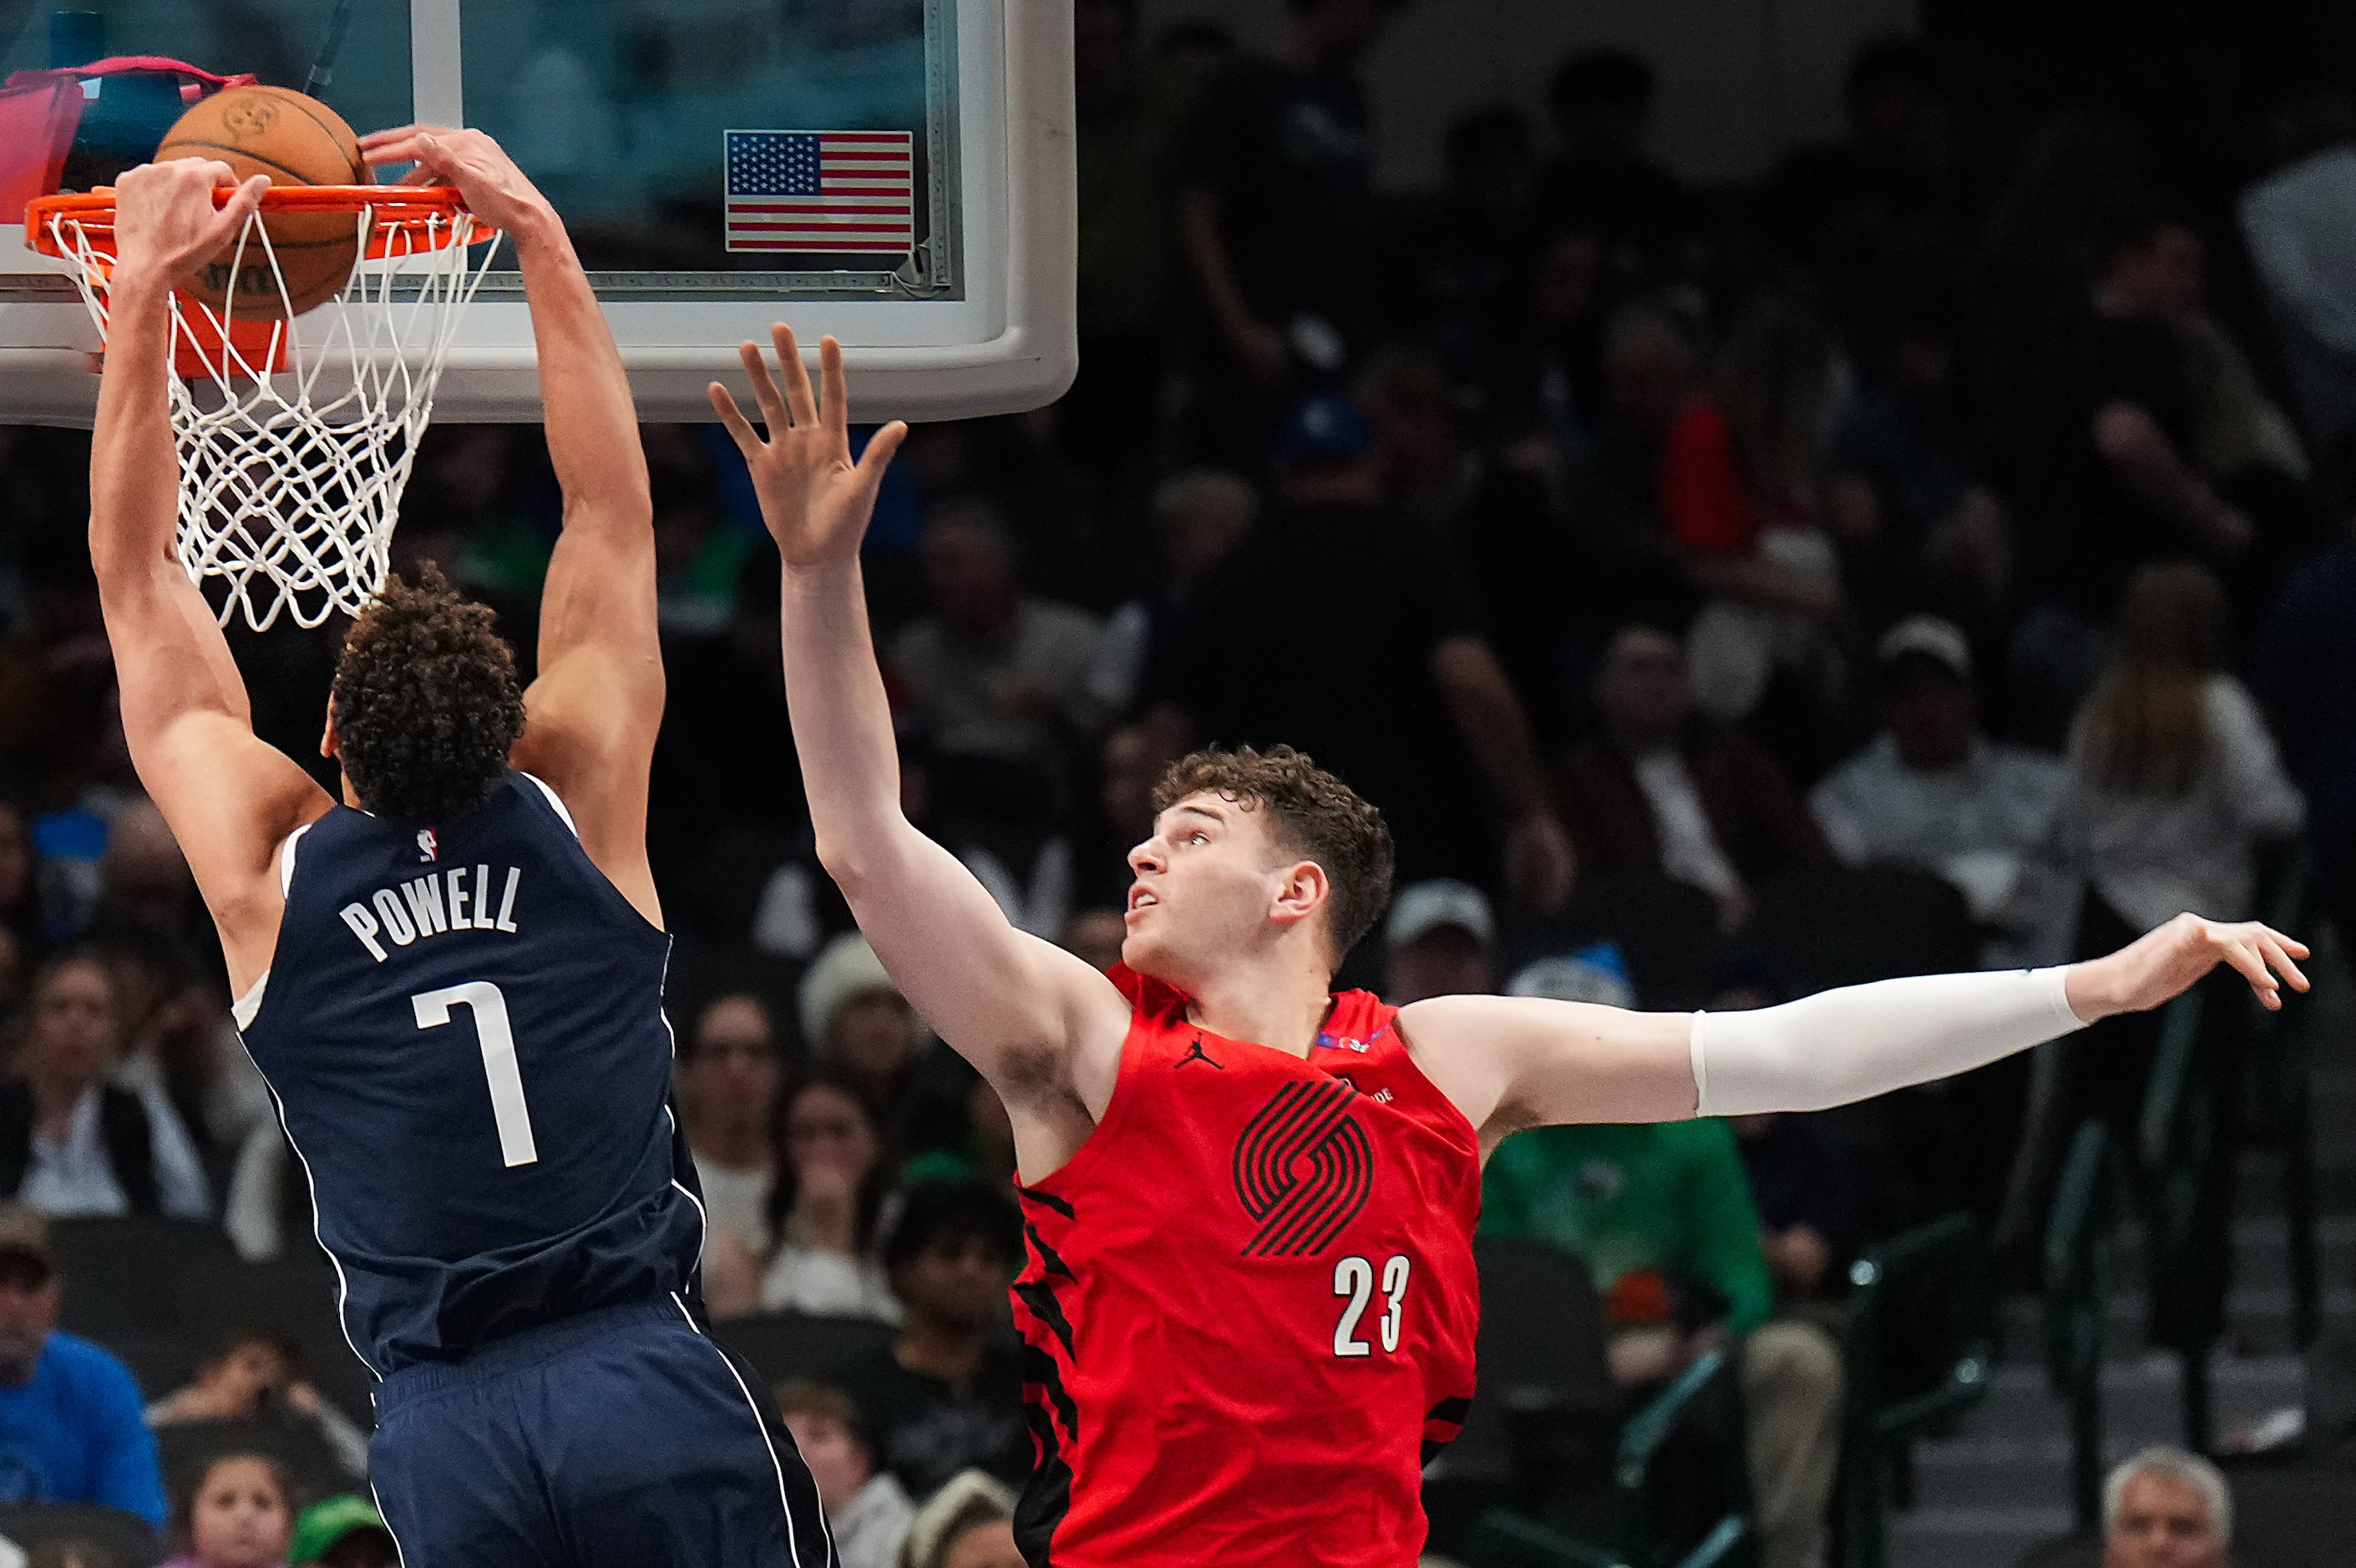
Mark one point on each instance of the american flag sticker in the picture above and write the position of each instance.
(822, 192)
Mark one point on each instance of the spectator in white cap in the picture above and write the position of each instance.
(1440, 941)
(1932, 792)
(855, 1022)
(2165, 1508)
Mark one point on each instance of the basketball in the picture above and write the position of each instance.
(295, 140)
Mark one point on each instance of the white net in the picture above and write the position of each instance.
(296, 435)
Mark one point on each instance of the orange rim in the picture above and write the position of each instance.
(415, 212)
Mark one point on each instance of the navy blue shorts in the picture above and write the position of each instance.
(617, 1439)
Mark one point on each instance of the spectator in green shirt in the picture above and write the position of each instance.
(1663, 1216)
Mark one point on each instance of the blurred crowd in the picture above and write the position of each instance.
(1605, 531)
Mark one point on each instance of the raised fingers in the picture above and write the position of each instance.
(799, 400)
(749, 439)
(834, 392)
(765, 388)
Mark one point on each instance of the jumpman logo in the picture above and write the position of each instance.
(1196, 1052)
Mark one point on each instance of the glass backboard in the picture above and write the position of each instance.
(895, 172)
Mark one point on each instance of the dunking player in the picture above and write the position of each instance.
(1249, 1203)
(452, 980)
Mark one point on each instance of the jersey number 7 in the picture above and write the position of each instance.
(490, 1009)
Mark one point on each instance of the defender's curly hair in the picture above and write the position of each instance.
(427, 701)
(1312, 813)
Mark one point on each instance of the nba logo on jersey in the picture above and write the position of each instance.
(428, 847)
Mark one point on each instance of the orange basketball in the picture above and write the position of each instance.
(295, 140)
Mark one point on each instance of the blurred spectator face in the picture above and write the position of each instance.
(2164, 276)
(827, 1128)
(1203, 513)
(837, 1461)
(1096, 935)
(2161, 1523)
(1642, 689)
(874, 1034)
(240, 1518)
(1446, 961)
(987, 1545)
(1563, 284)
(969, 575)
(29, 1297)
(74, 1033)
(956, 1282)
(733, 1073)
(1931, 715)
(1205, 881)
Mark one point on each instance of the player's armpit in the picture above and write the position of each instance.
(588, 734)
(1510, 1063)
(231, 800)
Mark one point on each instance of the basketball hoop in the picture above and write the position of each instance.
(296, 435)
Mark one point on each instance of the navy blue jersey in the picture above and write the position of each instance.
(464, 1032)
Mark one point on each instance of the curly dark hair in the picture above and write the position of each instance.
(427, 701)
(1311, 813)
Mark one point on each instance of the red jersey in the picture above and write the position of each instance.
(1249, 1302)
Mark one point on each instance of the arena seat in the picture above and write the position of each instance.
(125, 1538)
(186, 1447)
(782, 1345)
(295, 1295)
(1841, 926)
(2066, 1551)
(126, 1277)
(1540, 1432)
(1666, 930)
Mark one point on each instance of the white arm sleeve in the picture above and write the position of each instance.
(1862, 1040)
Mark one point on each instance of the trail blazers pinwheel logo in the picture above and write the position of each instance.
(1304, 1168)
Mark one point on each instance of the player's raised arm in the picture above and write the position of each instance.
(1041, 1026)
(228, 797)
(591, 714)
(1523, 1062)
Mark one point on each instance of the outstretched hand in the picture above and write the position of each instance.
(165, 220)
(815, 500)
(487, 180)
(2162, 964)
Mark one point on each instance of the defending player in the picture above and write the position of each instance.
(452, 980)
(1250, 1204)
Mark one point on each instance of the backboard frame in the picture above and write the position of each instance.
(1007, 344)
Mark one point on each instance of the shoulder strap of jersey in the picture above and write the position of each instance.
(1358, 1015)
(1149, 998)
(555, 801)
